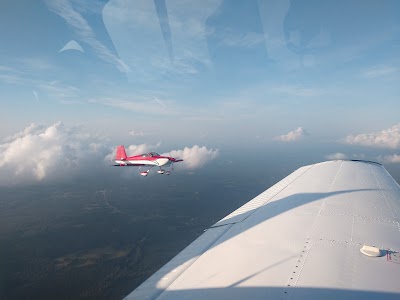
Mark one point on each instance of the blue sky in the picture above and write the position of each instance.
(213, 73)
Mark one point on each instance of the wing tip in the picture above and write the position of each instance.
(357, 160)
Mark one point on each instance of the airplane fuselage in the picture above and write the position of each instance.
(151, 159)
(134, 161)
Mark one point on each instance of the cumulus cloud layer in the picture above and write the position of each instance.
(336, 156)
(195, 156)
(391, 159)
(292, 136)
(56, 152)
(40, 152)
(388, 138)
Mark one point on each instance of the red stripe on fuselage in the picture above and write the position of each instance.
(151, 158)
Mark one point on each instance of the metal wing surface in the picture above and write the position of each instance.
(300, 239)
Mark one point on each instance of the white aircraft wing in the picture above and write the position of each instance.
(300, 239)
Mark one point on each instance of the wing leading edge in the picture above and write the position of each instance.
(300, 239)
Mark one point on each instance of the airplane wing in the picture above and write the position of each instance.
(300, 239)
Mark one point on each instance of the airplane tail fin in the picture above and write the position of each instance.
(121, 154)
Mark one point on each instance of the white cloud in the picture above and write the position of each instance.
(31, 129)
(54, 152)
(194, 157)
(388, 138)
(391, 159)
(361, 156)
(136, 133)
(142, 148)
(336, 156)
(292, 136)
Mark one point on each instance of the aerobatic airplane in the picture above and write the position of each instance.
(150, 159)
(329, 230)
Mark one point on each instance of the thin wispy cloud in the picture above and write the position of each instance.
(139, 104)
(296, 90)
(292, 136)
(180, 66)
(160, 102)
(35, 63)
(55, 88)
(71, 101)
(175, 45)
(13, 79)
(64, 9)
(387, 138)
(287, 39)
(14, 75)
(379, 71)
(272, 17)
(204, 118)
(36, 95)
(58, 89)
(6, 69)
(88, 7)
(136, 133)
(242, 40)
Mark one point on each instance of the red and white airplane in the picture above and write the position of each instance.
(150, 159)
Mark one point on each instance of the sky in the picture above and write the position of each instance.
(195, 78)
